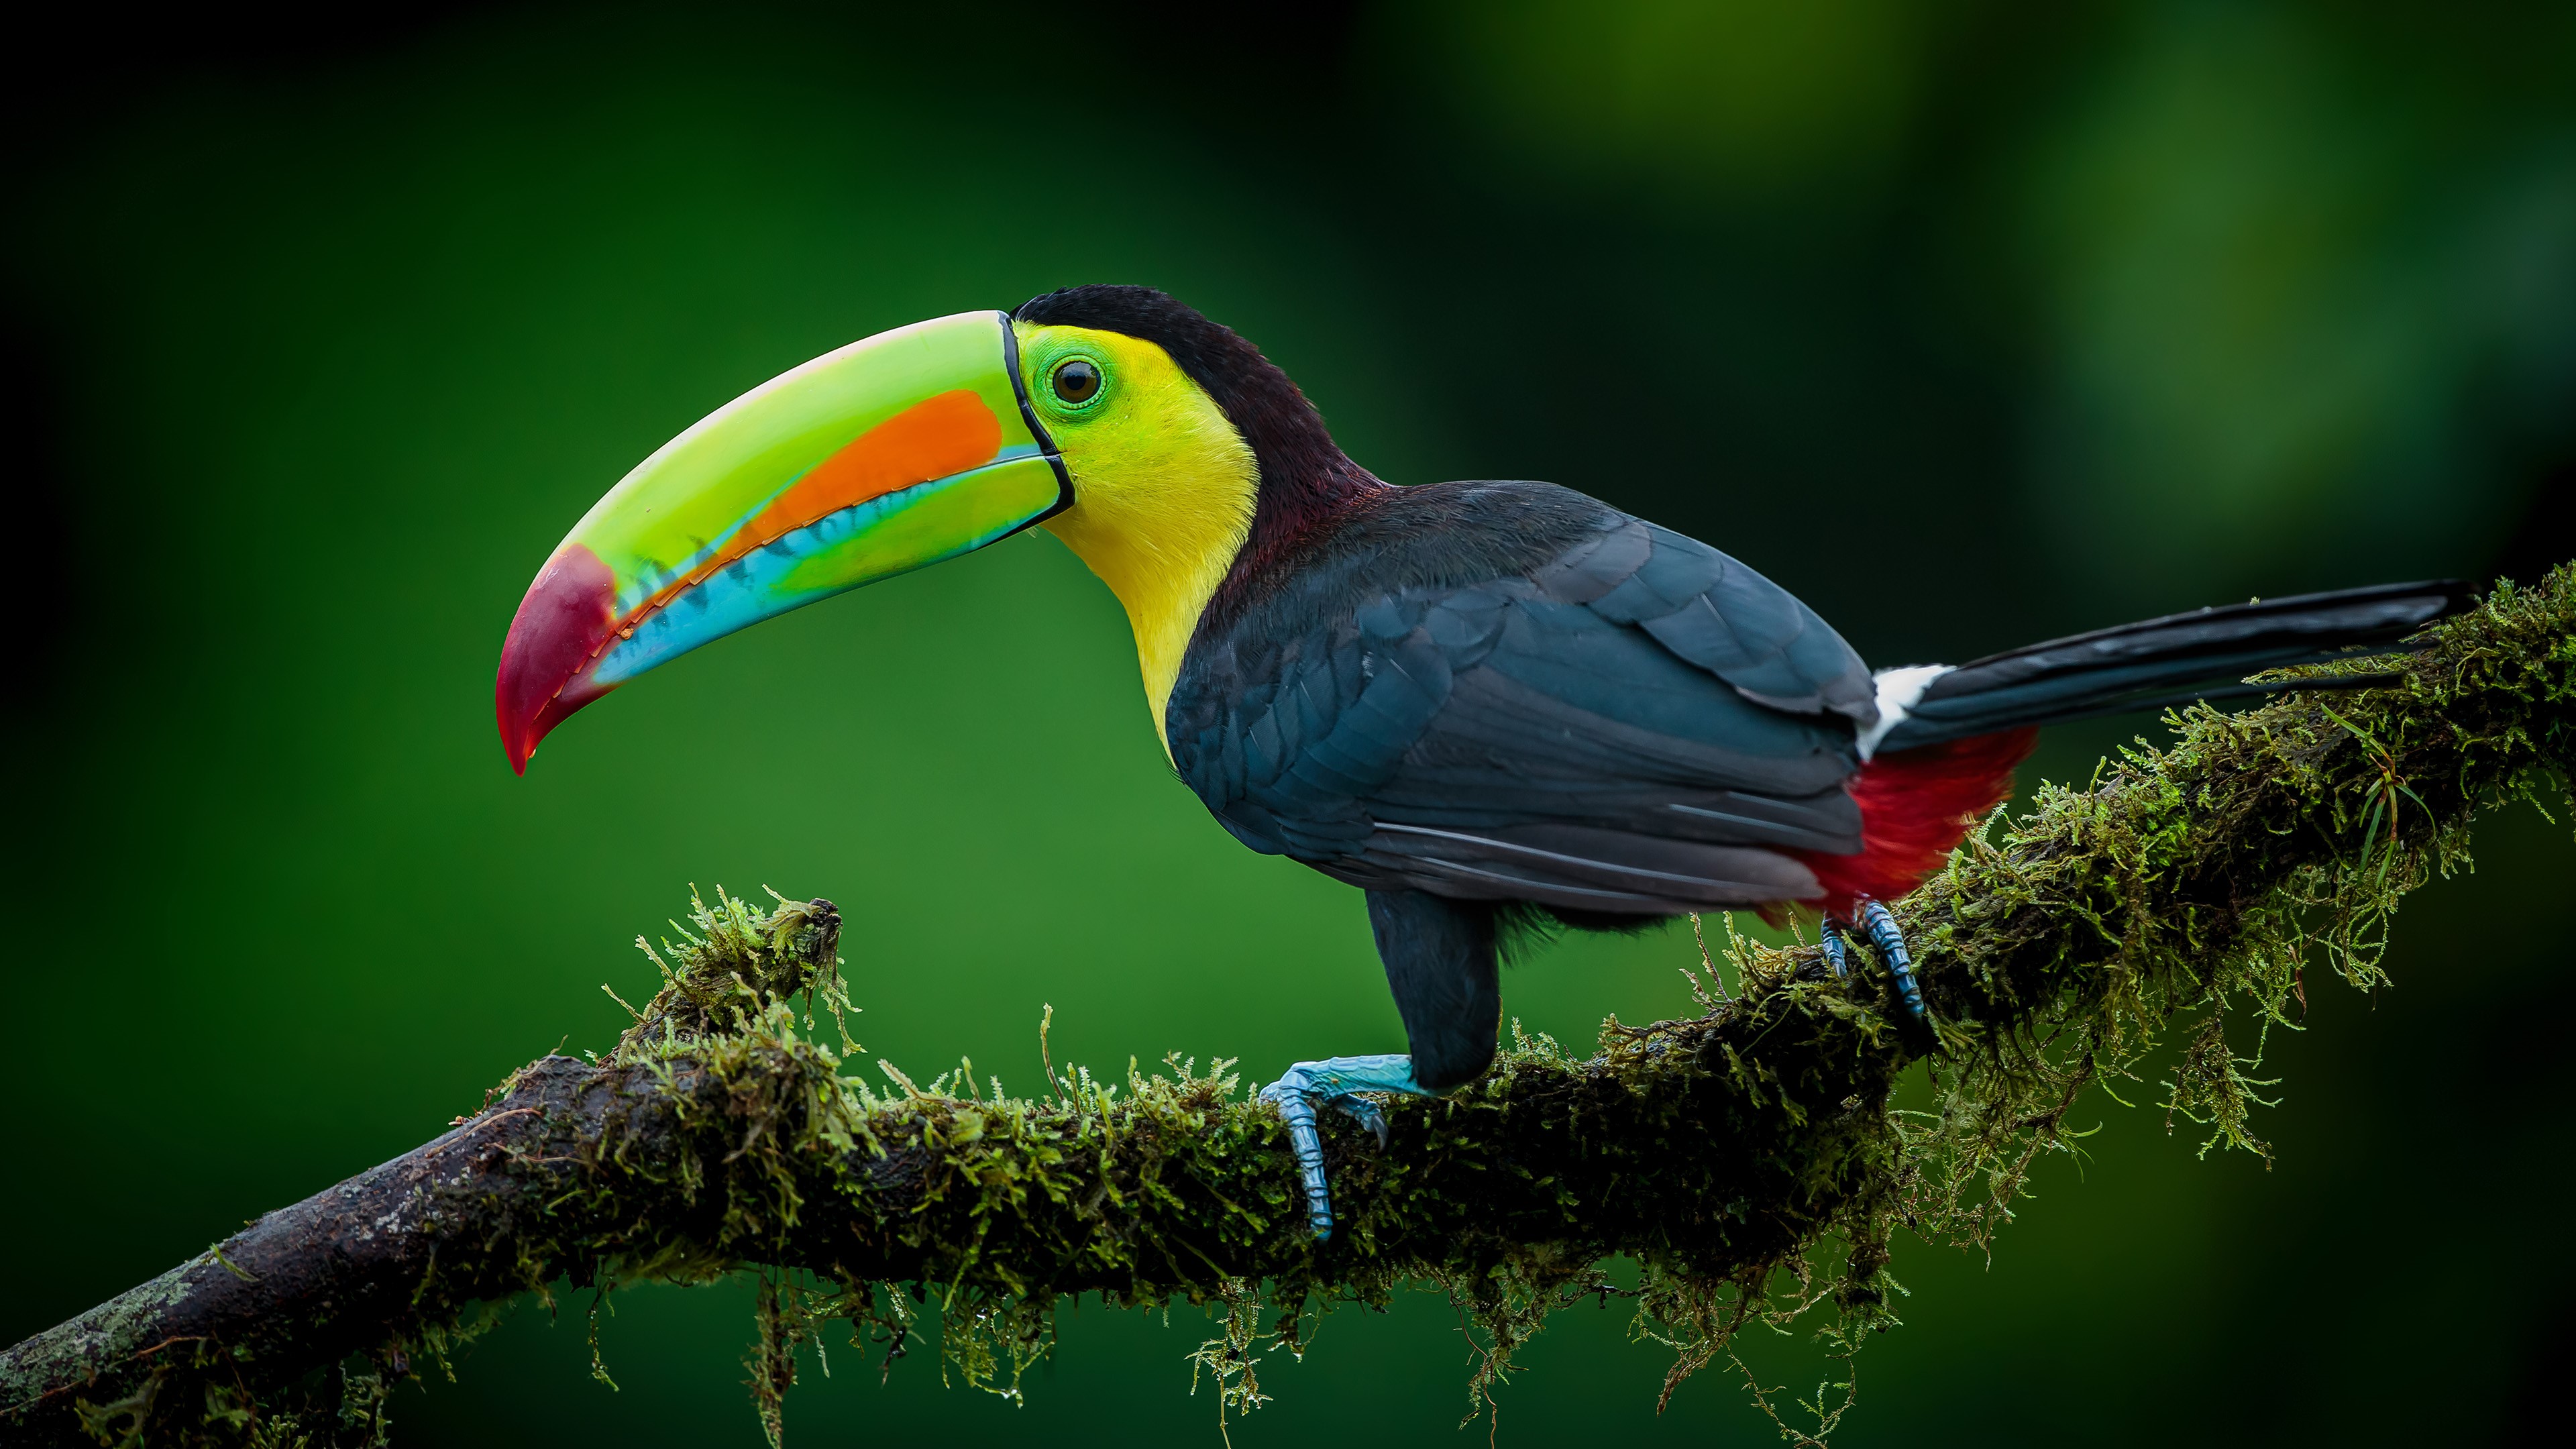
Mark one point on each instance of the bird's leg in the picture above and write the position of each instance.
(1891, 949)
(1889, 942)
(1831, 938)
(1336, 1083)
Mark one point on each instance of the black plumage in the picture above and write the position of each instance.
(1440, 963)
(1509, 691)
(2172, 660)
(1480, 701)
(1489, 703)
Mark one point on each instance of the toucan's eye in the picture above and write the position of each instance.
(1077, 381)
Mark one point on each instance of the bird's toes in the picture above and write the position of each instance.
(1365, 1112)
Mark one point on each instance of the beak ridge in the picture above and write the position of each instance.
(889, 454)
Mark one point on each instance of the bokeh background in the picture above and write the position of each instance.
(1972, 323)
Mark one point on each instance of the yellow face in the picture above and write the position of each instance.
(1163, 485)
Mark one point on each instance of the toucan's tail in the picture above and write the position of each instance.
(2148, 665)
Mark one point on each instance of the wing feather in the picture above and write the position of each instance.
(1614, 718)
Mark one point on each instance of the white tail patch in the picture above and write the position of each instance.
(1898, 689)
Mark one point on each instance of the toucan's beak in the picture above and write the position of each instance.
(913, 446)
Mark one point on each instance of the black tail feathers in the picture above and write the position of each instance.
(2205, 654)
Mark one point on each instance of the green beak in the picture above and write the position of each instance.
(910, 447)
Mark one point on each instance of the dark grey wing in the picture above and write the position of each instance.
(1636, 725)
(1713, 612)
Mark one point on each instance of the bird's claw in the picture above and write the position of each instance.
(1363, 1111)
(1889, 943)
(1336, 1082)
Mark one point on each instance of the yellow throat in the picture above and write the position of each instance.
(1163, 489)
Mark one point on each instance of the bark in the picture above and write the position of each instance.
(722, 1135)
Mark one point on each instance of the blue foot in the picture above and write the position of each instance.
(1891, 949)
(1335, 1083)
(1832, 940)
(1889, 942)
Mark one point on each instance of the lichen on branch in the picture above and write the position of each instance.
(1748, 1161)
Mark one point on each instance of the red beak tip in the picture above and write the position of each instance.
(519, 738)
(561, 626)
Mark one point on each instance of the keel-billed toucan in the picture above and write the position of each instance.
(1484, 703)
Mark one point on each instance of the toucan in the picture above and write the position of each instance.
(1493, 706)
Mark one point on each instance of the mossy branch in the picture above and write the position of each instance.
(1748, 1159)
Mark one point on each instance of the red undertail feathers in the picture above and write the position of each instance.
(1914, 806)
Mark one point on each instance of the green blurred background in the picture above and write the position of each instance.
(1972, 323)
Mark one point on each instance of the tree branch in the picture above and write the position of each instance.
(1730, 1154)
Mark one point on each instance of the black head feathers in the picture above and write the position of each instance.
(1303, 472)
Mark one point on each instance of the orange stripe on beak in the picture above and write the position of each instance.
(565, 622)
(946, 434)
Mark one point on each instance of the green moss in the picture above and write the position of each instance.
(1747, 1161)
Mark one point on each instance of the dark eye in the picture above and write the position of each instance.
(1077, 381)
